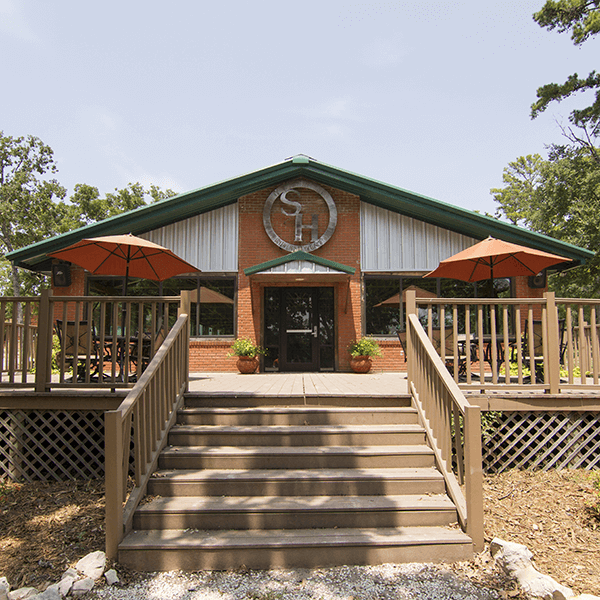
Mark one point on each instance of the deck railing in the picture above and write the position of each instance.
(452, 425)
(144, 419)
(18, 339)
(544, 343)
(98, 341)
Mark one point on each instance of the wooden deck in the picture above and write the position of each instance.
(300, 384)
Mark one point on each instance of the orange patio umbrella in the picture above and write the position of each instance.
(394, 301)
(208, 296)
(492, 258)
(126, 255)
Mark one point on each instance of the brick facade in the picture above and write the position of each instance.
(255, 247)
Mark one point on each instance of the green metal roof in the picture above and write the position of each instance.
(299, 255)
(369, 190)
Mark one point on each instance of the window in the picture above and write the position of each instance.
(385, 297)
(212, 315)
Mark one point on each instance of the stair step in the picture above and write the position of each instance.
(250, 399)
(292, 435)
(295, 482)
(268, 482)
(295, 512)
(297, 415)
(294, 457)
(193, 550)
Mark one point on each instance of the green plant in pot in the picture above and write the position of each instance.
(362, 352)
(246, 351)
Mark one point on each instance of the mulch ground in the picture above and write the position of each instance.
(45, 528)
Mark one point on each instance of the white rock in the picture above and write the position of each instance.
(92, 565)
(4, 584)
(111, 577)
(71, 572)
(4, 589)
(51, 593)
(82, 586)
(23, 593)
(515, 560)
(511, 556)
(542, 586)
(65, 585)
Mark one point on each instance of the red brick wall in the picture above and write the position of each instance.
(77, 288)
(522, 290)
(256, 247)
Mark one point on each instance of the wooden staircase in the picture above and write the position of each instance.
(265, 486)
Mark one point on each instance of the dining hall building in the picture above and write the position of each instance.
(303, 258)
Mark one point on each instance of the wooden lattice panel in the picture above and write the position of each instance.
(51, 445)
(542, 440)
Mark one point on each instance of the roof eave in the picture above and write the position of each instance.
(369, 190)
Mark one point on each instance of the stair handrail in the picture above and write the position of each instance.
(452, 426)
(145, 417)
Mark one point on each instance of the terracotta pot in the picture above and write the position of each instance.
(247, 364)
(361, 364)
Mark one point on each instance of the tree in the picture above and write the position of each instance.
(86, 206)
(33, 206)
(560, 197)
(29, 211)
(582, 19)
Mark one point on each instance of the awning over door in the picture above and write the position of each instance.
(300, 266)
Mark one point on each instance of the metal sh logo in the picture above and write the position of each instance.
(300, 213)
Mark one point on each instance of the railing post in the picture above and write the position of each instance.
(185, 308)
(474, 476)
(411, 309)
(186, 302)
(553, 345)
(113, 481)
(44, 347)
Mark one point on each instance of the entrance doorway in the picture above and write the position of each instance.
(299, 329)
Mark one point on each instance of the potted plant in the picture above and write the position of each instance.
(362, 352)
(246, 351)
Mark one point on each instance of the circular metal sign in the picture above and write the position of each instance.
(291, 198)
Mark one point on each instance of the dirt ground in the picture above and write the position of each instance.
(44, 528)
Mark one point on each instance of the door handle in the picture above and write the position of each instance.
(299, 331)
(315, 332)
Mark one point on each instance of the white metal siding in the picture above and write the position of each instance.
(393, 242)
(208, 241)
(298, 267)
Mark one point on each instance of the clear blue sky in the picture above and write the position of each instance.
(431, 96)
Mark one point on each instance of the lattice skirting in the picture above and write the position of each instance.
(542, 440)
(60, 445)
(51, 445)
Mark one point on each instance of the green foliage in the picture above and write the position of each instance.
(33, 206)
(489, 421)
(365, 346)
(582, 19)
(86, 206)
(514, 369)
(559, 197)
(245, 347)
(29, 207)
(594, 503)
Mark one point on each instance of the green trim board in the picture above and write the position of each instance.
(299, 255)
(220, 194)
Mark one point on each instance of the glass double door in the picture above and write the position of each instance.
(299, 329)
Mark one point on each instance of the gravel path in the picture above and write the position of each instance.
(384, 582)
